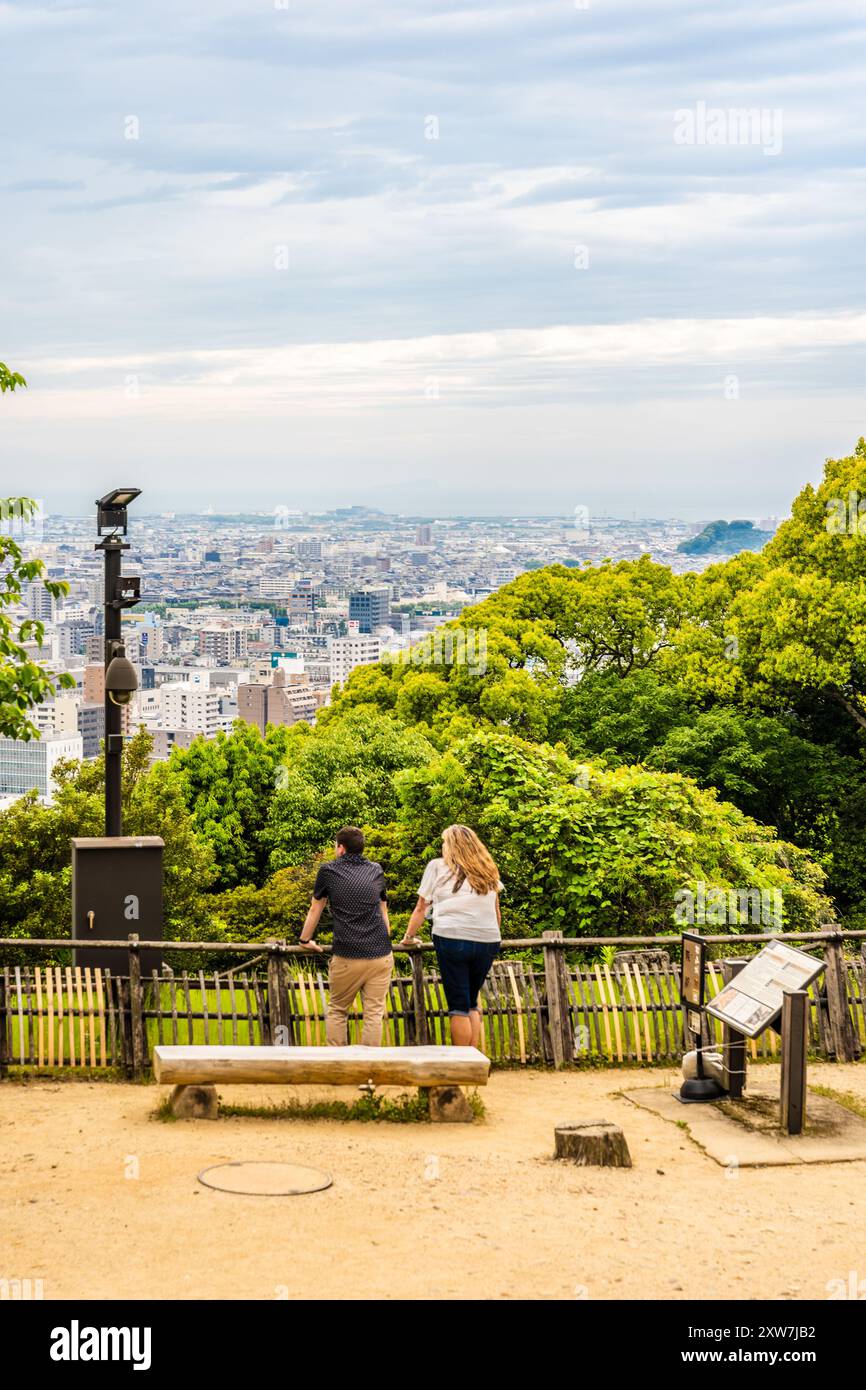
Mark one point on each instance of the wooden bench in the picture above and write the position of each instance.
(195, 1071)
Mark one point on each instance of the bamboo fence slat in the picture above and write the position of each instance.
(202, 984)
(21, 1052)
(616, 1014)
(58, 1000)
(71, 1016)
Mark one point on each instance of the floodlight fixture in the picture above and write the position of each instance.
(111, 509)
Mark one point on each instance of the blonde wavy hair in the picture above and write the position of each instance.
(468, 859)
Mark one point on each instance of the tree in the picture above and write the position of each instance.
(24, 682)
(277, 909)
(597, 855)
(799, 625)
(227, 784)
(517, 652)
(34, 845)
(347, 772)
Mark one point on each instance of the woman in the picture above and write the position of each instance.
(462, 888)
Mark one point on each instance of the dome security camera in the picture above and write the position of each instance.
(121, 681)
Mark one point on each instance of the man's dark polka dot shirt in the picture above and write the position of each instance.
(354, 887)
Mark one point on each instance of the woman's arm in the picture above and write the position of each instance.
(416, 922)
(498, 912)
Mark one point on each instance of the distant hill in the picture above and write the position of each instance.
(728, 537)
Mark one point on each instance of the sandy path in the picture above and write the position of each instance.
(502, 1220)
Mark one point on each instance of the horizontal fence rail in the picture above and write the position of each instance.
(544, 1003)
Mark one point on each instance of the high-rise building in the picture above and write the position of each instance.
(309, 550)
(348, 652)
(151, 642)
(28, 765)
(301, 603)
(192, 707)
(91, 726)
(424, 534)
(41, 605)
(223, 644)
(94, 683)
(277, 587)
(370, 608)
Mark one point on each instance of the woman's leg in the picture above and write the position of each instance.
(479, 968)
(461, 1030)
(451, 956)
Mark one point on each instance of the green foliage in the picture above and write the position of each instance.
(23, 682)
(344, 773)
(35, 853)
(588, 859)
(729, 537)
(275, 910)
(9, 380)
(228, 783)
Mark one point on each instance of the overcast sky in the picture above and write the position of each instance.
(435, 256)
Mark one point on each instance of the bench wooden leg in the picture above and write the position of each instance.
(194, 1103)
(448, 1105)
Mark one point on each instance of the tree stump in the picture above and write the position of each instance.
(448, 1105)
(194, 1103)
(597, 1143)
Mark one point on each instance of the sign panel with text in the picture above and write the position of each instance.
(752, 1000)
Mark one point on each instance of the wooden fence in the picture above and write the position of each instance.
(544, 1004)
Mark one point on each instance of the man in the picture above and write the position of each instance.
(361, 960)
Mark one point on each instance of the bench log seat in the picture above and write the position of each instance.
(194, 1071)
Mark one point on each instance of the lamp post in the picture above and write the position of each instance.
(120, 678)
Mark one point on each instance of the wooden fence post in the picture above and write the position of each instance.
(419, 998)
(136, 1017)
(278, 996)
(4, 1024)
(795, 1033)
(557, 990)
(733, 1043)
(846, 1045)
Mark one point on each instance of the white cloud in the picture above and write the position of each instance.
(507, 367)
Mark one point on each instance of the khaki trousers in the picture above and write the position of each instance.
(347, 978)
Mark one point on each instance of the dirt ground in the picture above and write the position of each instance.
(415, 1211)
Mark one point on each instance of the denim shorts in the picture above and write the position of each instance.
(464, 966)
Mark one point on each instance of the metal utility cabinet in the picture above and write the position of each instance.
(117, 890)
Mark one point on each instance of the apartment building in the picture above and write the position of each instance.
(191, 707)
(345, 653)
(223, 644)
(284, 698)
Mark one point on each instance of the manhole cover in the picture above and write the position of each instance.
(265, 1179)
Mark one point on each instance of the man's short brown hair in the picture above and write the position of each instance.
(351, 838)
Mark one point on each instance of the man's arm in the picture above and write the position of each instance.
(311, 921)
